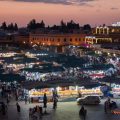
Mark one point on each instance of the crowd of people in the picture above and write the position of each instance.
(38, 111)
(9, 93)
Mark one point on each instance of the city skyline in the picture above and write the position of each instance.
(94, 12)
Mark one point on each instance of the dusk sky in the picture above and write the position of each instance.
(94, 12)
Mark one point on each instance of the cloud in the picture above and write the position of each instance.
(65, 2)
(114, 8)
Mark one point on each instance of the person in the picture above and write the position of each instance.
(55, 100)
(3, 108)
(113, 105)
(79, 94)
(18, 107)
(16, 95)
(41, 110)
(29, 100)
(83, 112)
(25, 99)
(30, 112)
(45, 102)
(107, 106)
(7, 100)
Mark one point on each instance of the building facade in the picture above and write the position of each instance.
(105, 34)
(22, 40)
(56, 39)
(98, 39)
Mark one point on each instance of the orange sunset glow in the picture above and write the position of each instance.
(94, 12)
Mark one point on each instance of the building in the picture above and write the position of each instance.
(98, 39)
(6, 39)
(105, 34)
(102, 35)
(112, 32)
(56, 39)
(21, 40)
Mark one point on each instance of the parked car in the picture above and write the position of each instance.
(89, 100)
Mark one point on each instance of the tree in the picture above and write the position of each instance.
(48, 27)
(42, 24)
(15, 27)
(63, 24)
(4, 26)
(63, 27)
(87, 28)
(10, 27)
(32, 24)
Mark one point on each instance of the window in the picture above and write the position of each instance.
(75, 39)
(58, 39)
(70, 39)
(65, 40)
(94, 40)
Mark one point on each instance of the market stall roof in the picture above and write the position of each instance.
(111, 79)
(92, 53)
(11, 77)
(11, 60)
(63, 82)
(98, 67)
(44, 69)
(66, 60)
(72, 61)
(32, 51)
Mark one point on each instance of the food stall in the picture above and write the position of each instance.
(36, 95)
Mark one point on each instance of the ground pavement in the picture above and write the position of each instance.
(65, 111)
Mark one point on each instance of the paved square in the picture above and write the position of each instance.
(65, 111)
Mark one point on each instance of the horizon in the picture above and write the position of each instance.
(93, 12)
